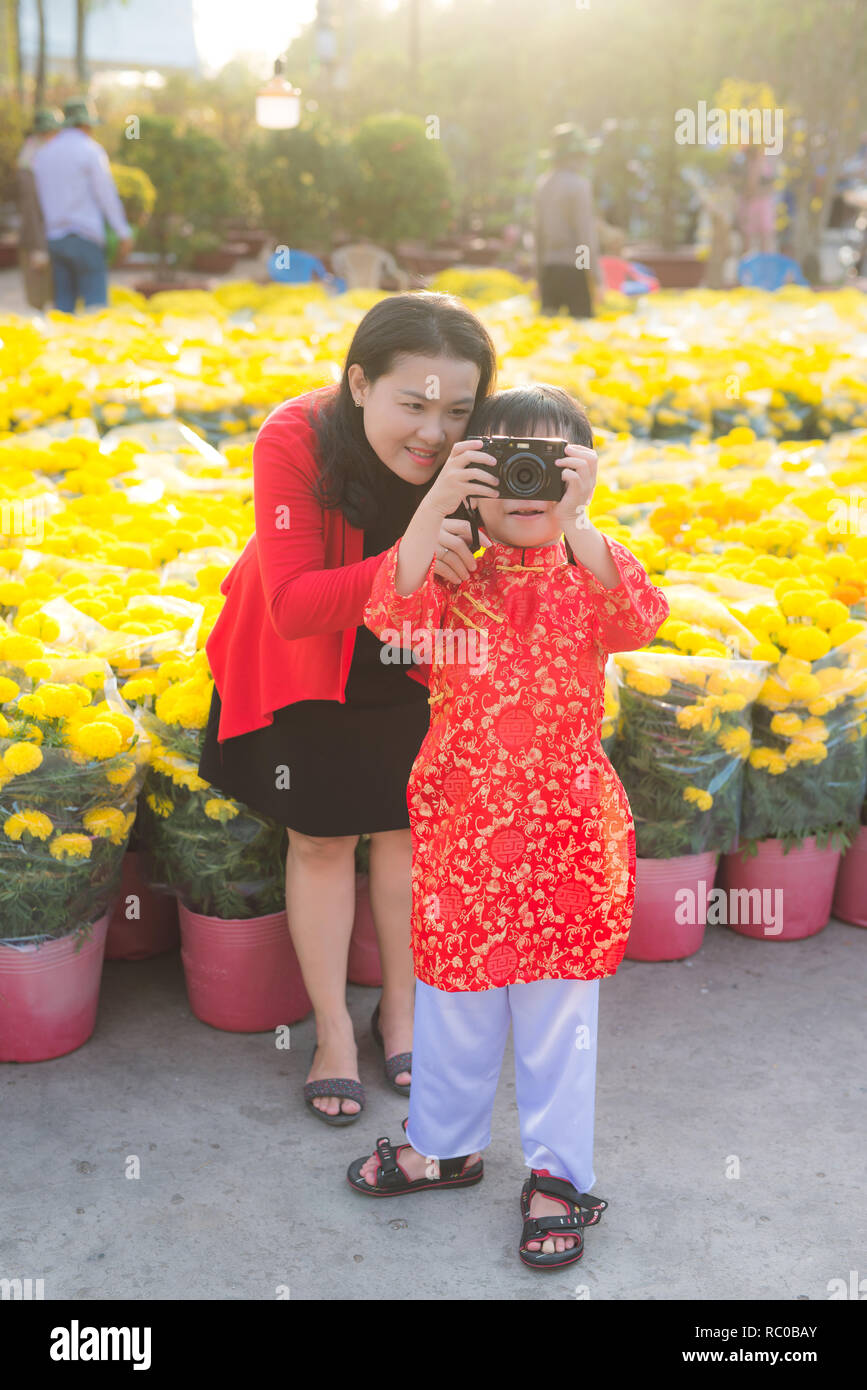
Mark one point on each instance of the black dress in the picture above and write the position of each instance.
(349, 764)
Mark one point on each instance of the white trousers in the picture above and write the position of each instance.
(457, 1054)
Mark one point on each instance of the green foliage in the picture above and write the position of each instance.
(14, 123)
(297, 177)
(194, 181)
(657, 761)
(807, 798)
(400, 182)
(233, 868)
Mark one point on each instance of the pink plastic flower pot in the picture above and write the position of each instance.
(804, 879)
(49, 995)
(154, 930)
(850, 891)
(242, 976)
(364, 964)
(657, 931)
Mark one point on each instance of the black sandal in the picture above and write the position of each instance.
(392, 1181)
(340, 1086)
(582, 1208)
(401, 1061)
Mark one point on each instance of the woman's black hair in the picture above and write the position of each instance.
(418, 323)
(540, 411)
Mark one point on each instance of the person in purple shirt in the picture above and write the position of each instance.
(77, 195)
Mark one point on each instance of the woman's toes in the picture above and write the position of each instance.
(403, 1078)
(351, 1107)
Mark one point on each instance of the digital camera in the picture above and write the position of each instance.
(525, 468)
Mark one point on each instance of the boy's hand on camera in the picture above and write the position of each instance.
(579, 473)
(455, 559)
(459, 478)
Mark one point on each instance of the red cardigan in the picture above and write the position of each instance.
(296, 596)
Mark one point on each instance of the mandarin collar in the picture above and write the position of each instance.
(499, 556)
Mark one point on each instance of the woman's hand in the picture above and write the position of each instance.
(579, 471)
(455, 559)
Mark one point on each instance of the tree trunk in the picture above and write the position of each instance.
(80, 44)
(39, 94)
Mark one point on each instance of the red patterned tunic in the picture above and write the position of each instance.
(523, 839)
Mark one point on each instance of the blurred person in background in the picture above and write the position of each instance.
(565, 227)
(33, 258)
(77, 195)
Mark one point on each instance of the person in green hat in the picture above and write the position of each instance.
(78, 196)
(33, 259)
(567, 244)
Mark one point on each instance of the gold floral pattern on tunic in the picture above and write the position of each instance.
(523, 839)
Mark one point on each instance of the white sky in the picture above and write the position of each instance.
(261, 28)
(226, 28)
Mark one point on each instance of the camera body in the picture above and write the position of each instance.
(525, 467)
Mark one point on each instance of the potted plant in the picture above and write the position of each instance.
(71, 764)
(144, 923)
(850, 889)
(805, 781)
(209, 252)
(226, 865)
(682, 738)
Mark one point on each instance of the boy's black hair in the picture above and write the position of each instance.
(539, 411)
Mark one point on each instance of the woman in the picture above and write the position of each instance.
(308, 724)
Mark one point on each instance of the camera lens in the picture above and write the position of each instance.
(524, 474)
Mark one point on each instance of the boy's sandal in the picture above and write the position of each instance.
(392, 1181)
(401, 1061)
(582, 1209)
(342, 1087)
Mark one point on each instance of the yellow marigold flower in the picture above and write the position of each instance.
(809, 643)
(729, 701)
(58, 701)
(815, 730)
(830, 612)
(796, 603)
(34, 823)
(22, 758)
(107, 823)
(20, 648)
(805, 687)
(802, 751)
(37, 670)
(31, 704)
(70, 847)
(8, 689)
(120, 774)
(844, 632)
(138, 687)
(696, 796)
(648, 684)
(736, 742)
(786, 724)
(218, 809)
(4, 726)
(161, 805)
(765, 651)
(33, 733)
(823, 705)
(689, 716)
(97, 740)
